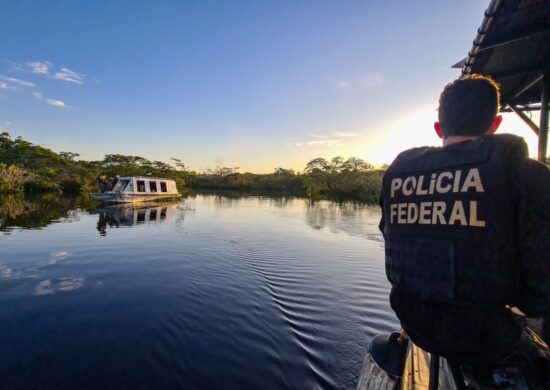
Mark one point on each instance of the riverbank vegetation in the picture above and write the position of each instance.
(336, 178)
(29, 168)
(26, 167)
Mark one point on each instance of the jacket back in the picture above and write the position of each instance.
(450, 221)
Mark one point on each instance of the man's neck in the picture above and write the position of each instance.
(454, 139)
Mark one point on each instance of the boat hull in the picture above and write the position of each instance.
(132, 198)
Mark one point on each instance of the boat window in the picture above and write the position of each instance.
(141, 216)
(121, 185)
(153, 215)
(163, 187)
(153, 186)
(163, 212)
(141, 185)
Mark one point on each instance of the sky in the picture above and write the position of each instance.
(250, 84)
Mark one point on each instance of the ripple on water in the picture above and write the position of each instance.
(226, 293)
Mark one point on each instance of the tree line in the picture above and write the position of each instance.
(340, 178)
(26, 167)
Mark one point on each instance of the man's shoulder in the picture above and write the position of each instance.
(409, 157)
(506, 143)
(509, 143)
(535, 177)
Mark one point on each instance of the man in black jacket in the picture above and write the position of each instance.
(467, 232)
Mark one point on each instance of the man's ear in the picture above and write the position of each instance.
(495, 125)
(438, 130)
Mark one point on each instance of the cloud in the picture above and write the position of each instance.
(334, 138)
(345, 134)
(335, 134)
(66, 74)
(324, 142)
(46, 69)
(320, 136)
(51, 102)
(343, 85)
(372, 80)
(13, 80)
(360, 82)
(318, 142)
(56, 103)
(42, 68)
(7, 86)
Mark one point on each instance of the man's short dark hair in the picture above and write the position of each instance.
(469, 105)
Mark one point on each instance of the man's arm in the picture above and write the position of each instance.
(533, 184)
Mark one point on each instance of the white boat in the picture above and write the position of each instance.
(134, 189)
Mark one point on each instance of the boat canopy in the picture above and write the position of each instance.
(145, 184)
(513, 47)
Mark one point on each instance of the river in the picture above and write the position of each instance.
(209, 292)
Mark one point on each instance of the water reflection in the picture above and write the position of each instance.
(39, 211)
(274, 292)
(129, 215)
(356, 219)
(63, 284)
(35, 279)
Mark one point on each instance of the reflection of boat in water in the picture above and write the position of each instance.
(134, 189)
(129, 215)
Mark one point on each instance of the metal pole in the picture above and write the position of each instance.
(526, 87)
(434, 372)
(525, 118)
(544, 107)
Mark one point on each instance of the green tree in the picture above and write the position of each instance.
(13, 178)
(69, 155)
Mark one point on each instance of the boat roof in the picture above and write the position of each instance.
(513, 46)
(145, 177)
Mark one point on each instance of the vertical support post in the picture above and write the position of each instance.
(544, 112)
(434, 372)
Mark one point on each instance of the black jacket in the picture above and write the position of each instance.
(467, 230)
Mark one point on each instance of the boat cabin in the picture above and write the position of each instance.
(144, 184)
(139, 189)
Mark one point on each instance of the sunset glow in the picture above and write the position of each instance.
(260, 90)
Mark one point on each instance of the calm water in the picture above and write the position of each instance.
(209, 292)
